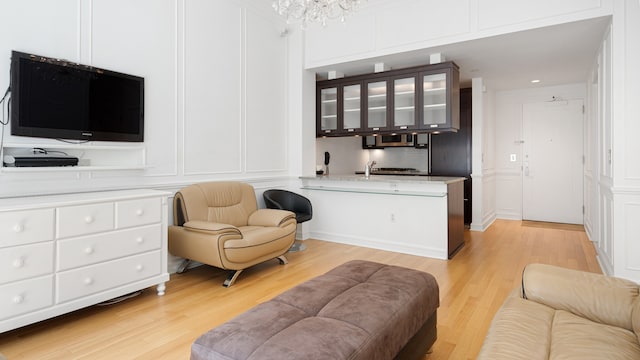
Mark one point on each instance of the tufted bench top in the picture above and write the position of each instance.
(359, 310)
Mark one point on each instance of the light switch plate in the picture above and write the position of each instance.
(512, 157)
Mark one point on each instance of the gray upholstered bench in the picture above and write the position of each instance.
(359, 310)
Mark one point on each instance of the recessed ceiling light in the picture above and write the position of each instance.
(535, 81)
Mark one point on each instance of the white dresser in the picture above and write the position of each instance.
(60, 253)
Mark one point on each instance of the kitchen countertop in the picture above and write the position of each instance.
(387, 178)
(396, 172)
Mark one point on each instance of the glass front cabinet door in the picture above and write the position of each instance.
(376, 108)
(327, 110)
(404, 103)
(440, 100)
(351, 107)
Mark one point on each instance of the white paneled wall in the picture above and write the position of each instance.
(499, 13)
(266, 117)
(212, 98)
(142, 43)
(215, 86)
(421, 23)
(384, 27)
(38, 26)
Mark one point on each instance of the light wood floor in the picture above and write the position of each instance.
(472, 288)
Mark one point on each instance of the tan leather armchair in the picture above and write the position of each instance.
(219, 224)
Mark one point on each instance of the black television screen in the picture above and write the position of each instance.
(54, 98)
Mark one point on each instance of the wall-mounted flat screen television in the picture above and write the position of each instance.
(54, 98)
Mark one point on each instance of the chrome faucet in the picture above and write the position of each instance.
(368, 167)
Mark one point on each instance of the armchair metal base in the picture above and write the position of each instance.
(297, 246)
(183, 266)
(233, 275)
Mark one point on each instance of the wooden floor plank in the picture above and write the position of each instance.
(472, 287)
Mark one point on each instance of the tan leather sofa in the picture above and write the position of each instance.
(219, 224)
(566, 314)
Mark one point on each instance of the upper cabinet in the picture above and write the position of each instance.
(419, 99)
(377, 111)
(440, 99)
(339, 108)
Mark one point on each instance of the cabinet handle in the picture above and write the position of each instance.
(18, 263)
(18, 299)
(88, 250)
(88, 219)
(88, 281)
(139, 239)
(139, 267)
(139, 212)
(18, 228)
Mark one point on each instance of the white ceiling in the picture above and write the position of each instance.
(560, 54)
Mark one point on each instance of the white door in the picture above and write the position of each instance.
(553, 162)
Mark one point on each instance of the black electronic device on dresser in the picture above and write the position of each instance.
(450, 153)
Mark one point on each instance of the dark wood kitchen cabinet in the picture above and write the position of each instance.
(390, 104)
(411, 100)
(339, 109)
(440, 99)
(450, 153)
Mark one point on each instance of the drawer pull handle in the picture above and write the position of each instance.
(139, 212)
(140, 240)
(18, 299)
(139, 267)
(88, 219)
(88, 250)
(88, 281)
(18, 228)
(18, 263)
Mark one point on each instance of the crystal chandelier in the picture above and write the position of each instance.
(320, 11)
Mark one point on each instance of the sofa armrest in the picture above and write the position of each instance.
(211, 228)
(597, 297)
(270, 217)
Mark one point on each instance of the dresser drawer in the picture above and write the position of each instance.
(22, 262)
(138, 212)
(87, 250)
(24, 227)
(25, 296)
(92, 279)
(84, 219)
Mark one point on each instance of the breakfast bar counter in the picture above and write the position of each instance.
(419, 215)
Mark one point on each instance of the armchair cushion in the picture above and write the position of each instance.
(211, 228)
(270, 217)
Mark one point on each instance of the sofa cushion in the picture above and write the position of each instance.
(599, 298)
(574, 337)
(636, 318)
(520, 330)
